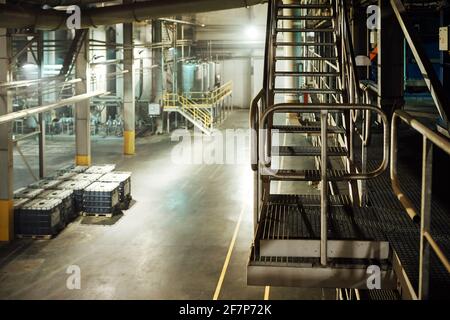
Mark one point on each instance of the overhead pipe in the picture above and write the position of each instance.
(41, 109)
(26, 16)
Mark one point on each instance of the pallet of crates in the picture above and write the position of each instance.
(66, 176)
(18, 204)
(27, 193)
(65, 169)
(93, 177)
(78, 187)
(101, 169)
(45, 184)
(39, 219)
(124, 181)
(101, 199)
(80, 169)
(67, 205)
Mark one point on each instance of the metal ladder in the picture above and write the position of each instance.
(328, 240)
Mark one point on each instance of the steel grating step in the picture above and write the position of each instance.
(305, 18)
(306, 74)
(303, 6)
(309, 200)
(306, 90)
(280, 58)
(303, 30)
(304, 175)
(304, 44)
(284, 271)
(309, 129)
(294, 230)
(306, 151)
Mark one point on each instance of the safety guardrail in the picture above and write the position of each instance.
(430, 139)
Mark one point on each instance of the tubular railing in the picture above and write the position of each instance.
(310, 108)
(207, 99)
(427, 242)
(174, 100)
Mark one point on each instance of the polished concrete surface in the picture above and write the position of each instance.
(171, 244)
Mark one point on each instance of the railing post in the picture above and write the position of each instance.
(324, 190)
(425, 208)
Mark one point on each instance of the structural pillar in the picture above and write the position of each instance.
(128, 91)
(41, 117)
(6, 146)
(390, 60)
(290, 51)
(83, 108)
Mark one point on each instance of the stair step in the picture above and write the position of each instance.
(285, 271)
(306, 90)
(305, 175)
(306, 58)
(305, 18)
(307, 128)
(293, 230)
(306, 74)
(303, 6)
(306, 151)
(304, 44)
(303, 30)
(309, 200)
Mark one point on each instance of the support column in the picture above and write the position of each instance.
(83, 108)
(6, 147)
(128, 91)
(290, 51)
(41, 116)
(390, 60)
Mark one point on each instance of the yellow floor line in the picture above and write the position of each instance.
(230, 251)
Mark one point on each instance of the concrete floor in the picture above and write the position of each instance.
(171, 244)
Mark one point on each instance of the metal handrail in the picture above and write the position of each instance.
(308, 108)
(430, 139)
(254, 121)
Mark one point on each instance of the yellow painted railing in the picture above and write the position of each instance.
(197, 104)
(207, 99)
(179, 102)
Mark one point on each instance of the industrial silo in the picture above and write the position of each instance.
(218, 75)
(212, 75)
(206, 77)
(188, 77)
(198, 78)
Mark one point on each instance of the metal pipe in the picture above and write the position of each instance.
(24, 113)
(22, 16)
(254, 126)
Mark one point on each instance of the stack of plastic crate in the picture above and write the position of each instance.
(66, 176)
(124, 181)
(78, 187)
(40, 218)
(87, 176)
(101, 199)
(45, 184)
(101, 169)
(68, 212)
(80, 169)
(27, 193)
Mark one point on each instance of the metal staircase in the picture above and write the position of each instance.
(327, 240)
(198, 107)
